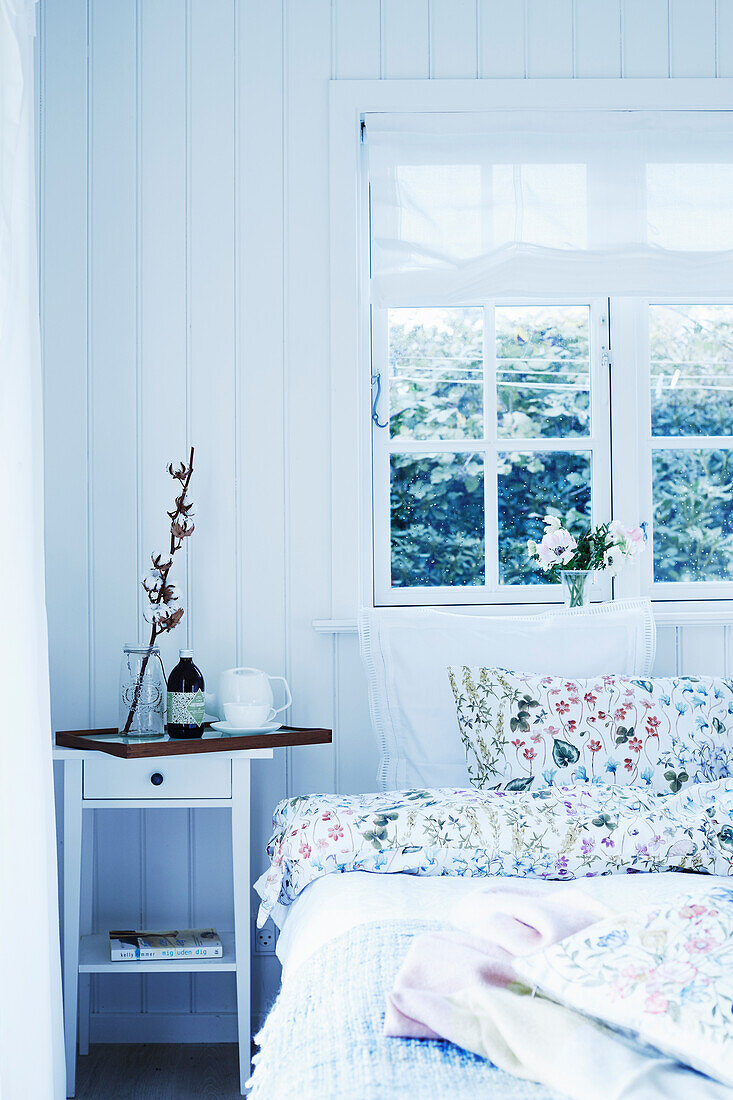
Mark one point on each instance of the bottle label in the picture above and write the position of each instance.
(186, 708)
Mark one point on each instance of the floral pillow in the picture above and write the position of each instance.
(664, 973)
(521, 730)
(554, 833)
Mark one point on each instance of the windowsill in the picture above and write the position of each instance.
(666, 613)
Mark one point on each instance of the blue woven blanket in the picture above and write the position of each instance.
(323, 1037)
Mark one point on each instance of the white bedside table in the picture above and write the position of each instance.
(94, 780)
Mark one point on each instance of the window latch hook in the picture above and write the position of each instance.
(377, 391)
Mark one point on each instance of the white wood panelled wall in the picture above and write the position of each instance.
(185, 299)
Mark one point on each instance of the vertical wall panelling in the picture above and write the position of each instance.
(405, 38)
(164, 266)
(112, 324)
(453, 38)
(111, 334)
(261, 533)
(211, 406)
(167, 902)
(185, 294)
(358, 757)
(212, 416)
(597, 39)
(665, 663)
(357, 36)
(162, 356)
(212, 904)
(502, 38)
(308, 59)
(645, 38)
(724, 37)
(550, 38)
(703, 650)
(692, 37)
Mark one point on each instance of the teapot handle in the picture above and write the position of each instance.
(288, 696)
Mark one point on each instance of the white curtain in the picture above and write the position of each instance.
(31, 1038)
(466, 206)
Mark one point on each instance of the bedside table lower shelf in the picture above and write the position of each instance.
(94, 959)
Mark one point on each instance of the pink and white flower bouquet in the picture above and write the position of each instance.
(609, 546)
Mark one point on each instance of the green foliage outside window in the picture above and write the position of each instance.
(437, 500)
(692, 394)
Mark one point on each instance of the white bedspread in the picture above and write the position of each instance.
(336, 903)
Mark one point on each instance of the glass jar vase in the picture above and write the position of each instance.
(142, 692)
(576, 585)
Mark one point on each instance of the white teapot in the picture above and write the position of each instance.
(247, 699)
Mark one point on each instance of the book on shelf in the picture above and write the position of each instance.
(188, 943)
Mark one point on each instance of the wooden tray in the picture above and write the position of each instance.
(133, 748)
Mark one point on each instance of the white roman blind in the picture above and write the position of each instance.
(605, 202)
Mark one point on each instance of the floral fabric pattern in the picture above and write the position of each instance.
(522, 731)
(664, 973)
(554, 833)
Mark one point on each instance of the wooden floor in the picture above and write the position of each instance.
(171, 1071)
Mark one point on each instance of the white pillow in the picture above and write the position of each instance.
(663, 973)
(407, 651)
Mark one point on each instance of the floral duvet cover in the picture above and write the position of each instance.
(555, 833)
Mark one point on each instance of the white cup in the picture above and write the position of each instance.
(247, 699)
(244, 717)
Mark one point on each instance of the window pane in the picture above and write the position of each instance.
(529, 485)
(436, 380)
(693, 515)
(437, 519)
(542, 371)
(691, 349)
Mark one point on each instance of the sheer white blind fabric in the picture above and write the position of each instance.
(31, 1037)
(542, 203)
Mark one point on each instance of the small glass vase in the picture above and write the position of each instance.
(576, 585)
(142, 692)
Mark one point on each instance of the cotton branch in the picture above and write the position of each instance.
(162, 614)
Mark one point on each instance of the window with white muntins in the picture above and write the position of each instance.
(551, 316)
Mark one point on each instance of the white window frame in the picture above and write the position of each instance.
(351, 468)
(596, 443)
(633, 490)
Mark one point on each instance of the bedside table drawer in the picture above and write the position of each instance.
(158, 778)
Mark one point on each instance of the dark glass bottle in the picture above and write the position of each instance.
(185, 709)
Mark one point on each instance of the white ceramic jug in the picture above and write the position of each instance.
(246, 697)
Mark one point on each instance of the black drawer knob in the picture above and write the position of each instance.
(156, 779)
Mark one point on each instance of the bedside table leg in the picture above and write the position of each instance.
(72, 889)
(86, 902)
(242, 916)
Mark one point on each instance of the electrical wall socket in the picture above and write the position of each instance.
(265, 939)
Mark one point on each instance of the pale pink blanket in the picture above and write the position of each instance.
(493, 927)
